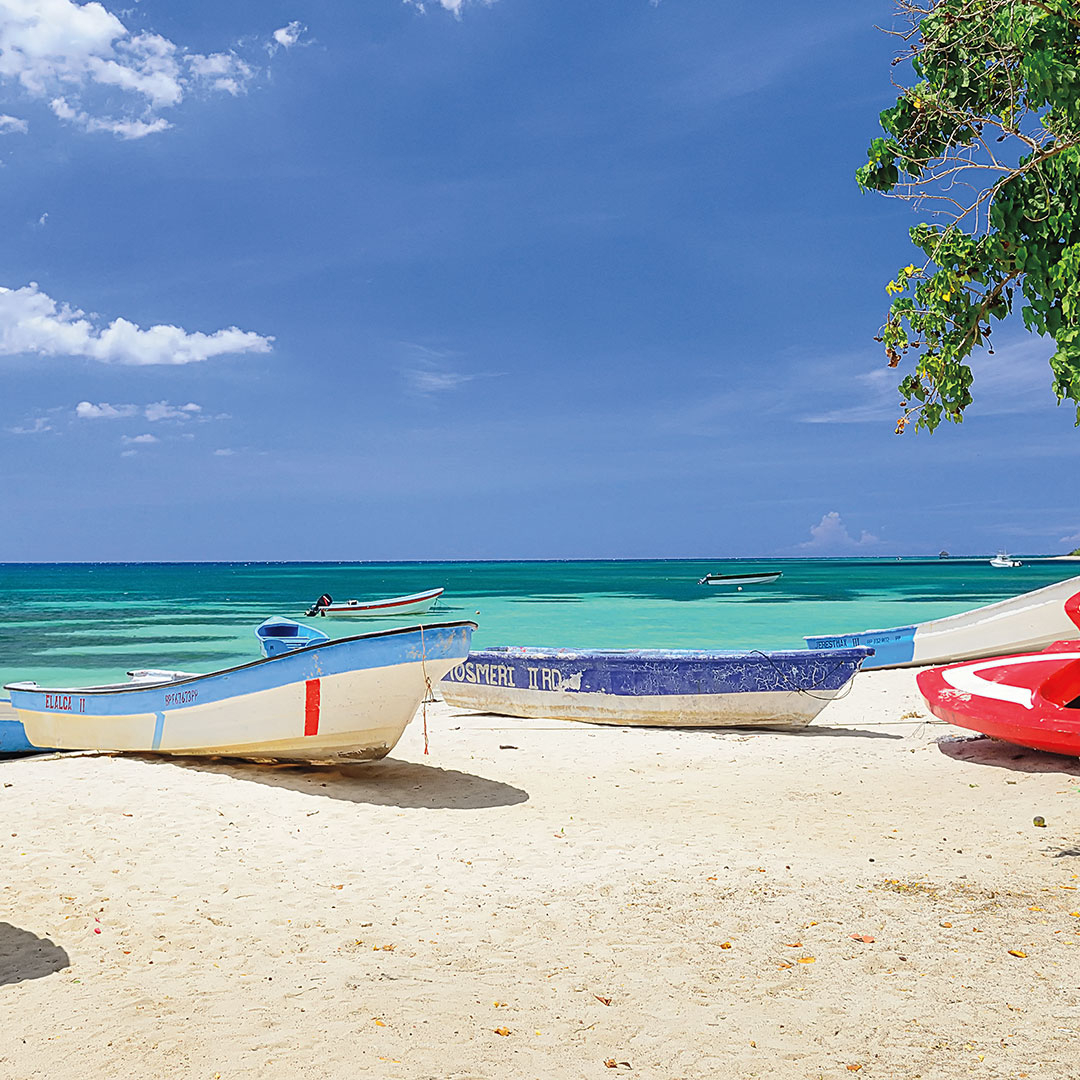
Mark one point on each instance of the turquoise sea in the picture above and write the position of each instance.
(80, 623)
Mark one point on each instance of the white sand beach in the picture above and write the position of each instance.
(545, 899)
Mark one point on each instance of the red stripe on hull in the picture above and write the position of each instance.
(312, 699)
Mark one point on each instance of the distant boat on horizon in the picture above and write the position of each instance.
(1003, 561)
(765, 577)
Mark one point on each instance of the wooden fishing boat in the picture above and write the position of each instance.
(1027, 622)
(766, 577)
(413, 604)
(343, 700)
(278, 635)
(653, 687)
(1031, 700)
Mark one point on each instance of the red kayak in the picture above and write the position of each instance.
(1032, 699)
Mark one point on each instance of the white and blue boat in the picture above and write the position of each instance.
(1021, 624)
(347, 699)
(278, 635)
(654, 687)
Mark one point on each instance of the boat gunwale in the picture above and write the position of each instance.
(125, 688)
(526, 652)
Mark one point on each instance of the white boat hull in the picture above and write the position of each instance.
(1025, 623)
(414, 604)
(764, 709)
(343, 700)
(362, 716)
(361, 611)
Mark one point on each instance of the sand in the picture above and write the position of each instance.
(537, 899)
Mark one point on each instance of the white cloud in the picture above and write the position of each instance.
(140, 439)
(37, 426)
(287, 36)
(453, 6)
(224, 452)
(124, 129)
(428, 370)
(1015, 378)
(44, 218)
(56, 50)
(153, 412)
(830, 535)
(10, 125)
(86, 410)
(157, 410)
(32, 322)
(162, 410)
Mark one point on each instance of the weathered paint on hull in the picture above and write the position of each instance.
(347, 700)
(782, 709)
(654, 687)
(1025, 623)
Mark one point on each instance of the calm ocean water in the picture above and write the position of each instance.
(78, 623)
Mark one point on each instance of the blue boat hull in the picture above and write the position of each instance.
(892, 648)
(655, 687)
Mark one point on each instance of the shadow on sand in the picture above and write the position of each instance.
(846, 732)
(981, 750)
(24, 955)
(389, 782)
(585, 728)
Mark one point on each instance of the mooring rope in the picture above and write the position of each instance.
(430, 695)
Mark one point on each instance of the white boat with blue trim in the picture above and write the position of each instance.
(347, 699)
(653, 687)
(1026, 623)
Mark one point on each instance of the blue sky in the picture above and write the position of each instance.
(527, 278)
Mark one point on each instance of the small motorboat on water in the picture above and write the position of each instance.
(1030, 621)
(765, 577)
(1032, 699)
(347, 699)
(1004, 561)
(653, 687)
(413, 604)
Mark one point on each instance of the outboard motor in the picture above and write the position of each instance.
(324, 601)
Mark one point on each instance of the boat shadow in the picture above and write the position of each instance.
(982, 750)
(24, 955)
(846, 732)
(389, 782)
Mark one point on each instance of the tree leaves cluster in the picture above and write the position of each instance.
(986, 137)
